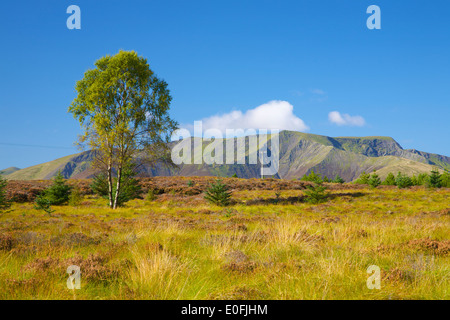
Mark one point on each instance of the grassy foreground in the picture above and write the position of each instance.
(180, 247)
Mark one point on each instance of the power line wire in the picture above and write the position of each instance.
(34, 146)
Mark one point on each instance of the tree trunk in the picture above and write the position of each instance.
(110, 185)
(119, 178)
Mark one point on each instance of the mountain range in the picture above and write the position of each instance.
(300, 153)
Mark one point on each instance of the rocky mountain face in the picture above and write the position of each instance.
(300, 153)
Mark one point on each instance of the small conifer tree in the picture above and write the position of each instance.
(312, 176)
(4, 203)
(58, 193)
(43, 203)
(374, 180)
(434, 179)
(445, 179)
(422, 179)
(363, 178)
(218, 193)
(338, 179)
(75, 197)
(403, 181)
(390, 180)
(316, 193)
(151, 196)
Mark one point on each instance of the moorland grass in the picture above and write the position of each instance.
(181, 247)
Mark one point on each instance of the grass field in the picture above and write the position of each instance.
(180, 247)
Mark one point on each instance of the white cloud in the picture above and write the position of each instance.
(274, 114)
(345, 119)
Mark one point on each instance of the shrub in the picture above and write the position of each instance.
(277, 197)
(338, 179)
(403, 181)
(218, 193)
(374, 180)
(42, 203)
(434, 179)
(313, 177)
(445, 179)
(151, 196)
(363, 178)
(58, 193)
(316, 193)
(390, 180)
(190, 183)
(414, 180)
(4, 203)
(422, 179)
(75, 197)
(234, 175)
(130, 187)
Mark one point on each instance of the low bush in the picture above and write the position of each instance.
(218, 193)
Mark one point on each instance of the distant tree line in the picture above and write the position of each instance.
(318, 178)
(434, 179)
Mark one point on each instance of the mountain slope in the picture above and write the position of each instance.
(8, 171)
(299, 154)
(74, 166)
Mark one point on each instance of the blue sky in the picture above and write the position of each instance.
(223, 56)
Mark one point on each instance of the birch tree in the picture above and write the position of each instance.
(123, 108)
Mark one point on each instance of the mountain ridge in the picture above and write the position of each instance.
(300, 153)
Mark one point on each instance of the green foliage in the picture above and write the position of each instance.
(228, 213)
(75, 197)
(313, 177)
(99, 185)
(363, 178)
(422, 179)
(234, 175)
(130, 188)
(434, 179)
(403, 181)
(123, 109)
(277, 197)
(4, 203)
(190, 183)
(58, 193)
(43, 203)
(374, 180)
(445, 179)
(316, 193)
(325, 179)
(218, 193)
(414, 180)
(390, 180)
(338, 179)
(151, 196)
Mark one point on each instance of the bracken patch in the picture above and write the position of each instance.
(397, 274)
(6, 242)
(237, 261)
(74, 239)
(436, 246)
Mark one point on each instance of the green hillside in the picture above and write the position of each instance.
(299, 154)
(8, 171)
